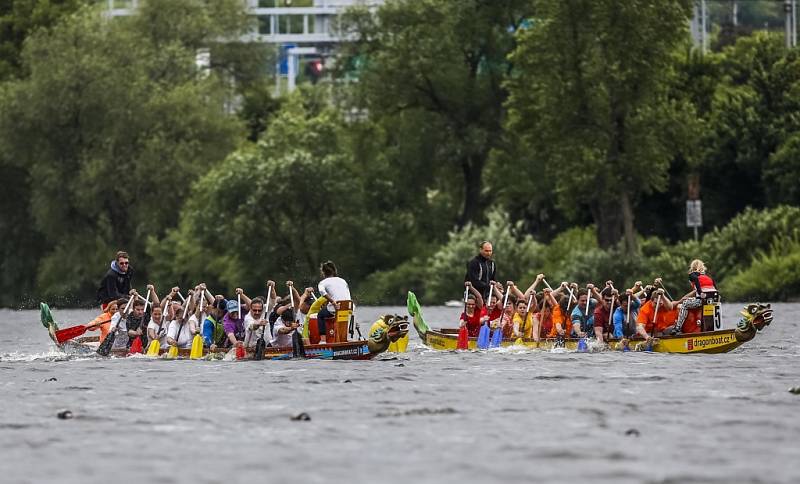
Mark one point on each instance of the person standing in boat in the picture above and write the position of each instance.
(482, 270)
(115, 284)
(117, 281)
(702, 286)
(333, 288)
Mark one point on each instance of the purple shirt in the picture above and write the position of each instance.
(235, 326)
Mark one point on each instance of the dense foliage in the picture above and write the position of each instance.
(565, 131)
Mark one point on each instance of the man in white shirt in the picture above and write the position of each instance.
(333, 288)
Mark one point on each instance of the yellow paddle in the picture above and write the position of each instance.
(154, 348)
(197, 341)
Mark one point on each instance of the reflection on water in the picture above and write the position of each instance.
(501, 415)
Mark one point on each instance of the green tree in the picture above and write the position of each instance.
(590, 106)
(444, 64)
(278, 208)
(19, 19)
(110, 129)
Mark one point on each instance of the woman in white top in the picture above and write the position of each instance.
(333, 288)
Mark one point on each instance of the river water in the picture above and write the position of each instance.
(422, 416)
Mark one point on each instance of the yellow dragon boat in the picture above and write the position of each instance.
(755, 317)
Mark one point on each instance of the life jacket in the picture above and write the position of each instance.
(557, 317)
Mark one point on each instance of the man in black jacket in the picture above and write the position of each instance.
(481, 270)
(117, 281)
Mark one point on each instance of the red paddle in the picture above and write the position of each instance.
(463, 339)
(67, 334)
(240, 352)
(136, 346)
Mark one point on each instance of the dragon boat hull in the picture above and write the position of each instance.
(351, 350)
(755, 317)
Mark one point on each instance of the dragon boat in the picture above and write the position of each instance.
(755, 317)
(383, 332)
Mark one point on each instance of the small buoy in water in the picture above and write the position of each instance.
(64, 415)
(347, 381)
(302, 417)
(52, 378)
(400, 364)
(632, 432)
(795, 390)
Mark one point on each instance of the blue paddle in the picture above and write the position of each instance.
(483, 336)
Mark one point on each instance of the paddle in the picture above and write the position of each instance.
(655, 322)
(173, 349)
(298, 348)
(261, 345)
(626, 329)
(463, 335)
(105, 347)
(67, 334)
(197, 341)
(240, 352)
(497, 335)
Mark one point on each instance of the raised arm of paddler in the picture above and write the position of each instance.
(476, 293)
(152, 295)
(293, 293)
(637, 289)
(515, 290)
(245, 301)
(534, 284)
(594, 292)
(497, 291)
(273, 294)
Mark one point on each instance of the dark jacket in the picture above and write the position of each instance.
(114, 285)
(479, 272)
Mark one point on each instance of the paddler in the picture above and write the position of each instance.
(213, 330)
(582, 316)
(603, 327)
(626, 313)
(648, 320)
(284, 327)
(255, 321)
(333, 288)
(702, 286)
(481, 270)
(180, 333)
(132, 325)
(233, 322)
(473, 317)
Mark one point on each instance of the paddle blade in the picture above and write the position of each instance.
(172, 352)
(463, 339)
(197, 347)
(483, 337)
(136, 346)
(519, 342)
(261, 346)
(497, 338)
(67, 334)
(392, 347)
(240, 352)
(105, 347)
(582, 346)
(154, 348)
(298, 348)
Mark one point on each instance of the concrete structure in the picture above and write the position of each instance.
(296, 31)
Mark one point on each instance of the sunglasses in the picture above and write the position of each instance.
(123, 263)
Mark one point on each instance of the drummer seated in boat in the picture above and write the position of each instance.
(334, 289)
(703, 287)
